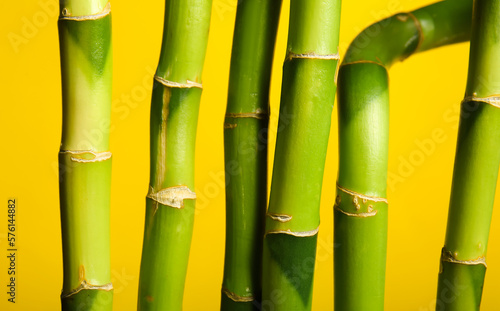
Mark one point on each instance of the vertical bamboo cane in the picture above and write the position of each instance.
(307, 98)
(84, 159)
(360, 226)
(245, 146)
(463, 260)
(174, 116)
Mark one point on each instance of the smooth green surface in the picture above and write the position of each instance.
(174, 116)
(184, 44)
(291, 270)
(245, 149)
(484, 63)
(85, 198)
(307, 100)
(307, 97)
(86, 74)
(363, 110)
(460, 287)
(477, 161)
(86, 71)
(363, 113)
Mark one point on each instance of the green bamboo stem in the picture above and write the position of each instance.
(360, 217)
(245, 146)
(174, 115)
(84, 159)
(307, 98)
(463, 261)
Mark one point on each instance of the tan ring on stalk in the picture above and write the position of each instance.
(235, 297)
(105, 12)
(189, 84)
(98, 156)
(291, 55)
(299, 234)
(490, 100)
(360, 195)
(172, 196)
(447, 256)
(256, 115)
(84, 285)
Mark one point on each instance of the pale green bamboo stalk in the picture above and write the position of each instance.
(463, 260)
(307, 98)
(174, 115)
(84, 159)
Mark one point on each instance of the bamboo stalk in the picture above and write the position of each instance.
(245, 146)
(84, 158)
(307, 98)
(360, 217)
(174, 115)
(463, 260)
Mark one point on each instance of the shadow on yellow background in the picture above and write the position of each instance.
(425, 92)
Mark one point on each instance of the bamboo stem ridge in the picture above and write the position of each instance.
(170, 201)
(245, 151)
(307, 98)
(84, 158)
(477, 159)
(361, 208)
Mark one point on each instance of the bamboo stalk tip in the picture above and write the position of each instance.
(66, 14)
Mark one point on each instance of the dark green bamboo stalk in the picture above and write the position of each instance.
(174, 116)
(360, 226)
(463, 260)
(307, 98)
(245, 146)
(84, 159)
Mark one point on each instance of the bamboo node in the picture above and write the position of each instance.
(291, 55)
(80, 155)
(299, 234)
(370, 212)
(258, 114)
(280, 217)
(357, 196)
(172, 84)
(490, 100)
(66, 15)
(447, 256)
(84, 285)
(172, 196)
(235, 297)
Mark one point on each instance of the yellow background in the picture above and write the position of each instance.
(425, 94)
